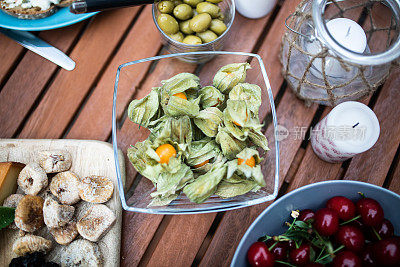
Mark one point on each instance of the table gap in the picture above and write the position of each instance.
(267, 28)
(390, 175)
(49, 82)
(12, 68)
(156, 238)
(208, 238)
(100, 74)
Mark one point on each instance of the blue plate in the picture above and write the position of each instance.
(61, 18)
(272, 220)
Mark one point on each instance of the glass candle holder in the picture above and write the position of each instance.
(336, 51)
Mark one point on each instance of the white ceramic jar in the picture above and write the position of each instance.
(254, 9)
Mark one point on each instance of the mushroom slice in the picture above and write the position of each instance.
(55, 214)
(31, 243)
(55, 160)
(29, 213)
(32, 179)
(81, 253)
(65, 234)
(96, 189)
(96, 222)
(65, 187)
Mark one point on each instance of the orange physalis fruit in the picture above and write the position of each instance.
(165, 152)
(201, 164)
(249, 162)
(181, 95)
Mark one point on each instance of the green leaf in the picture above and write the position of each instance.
(302, 224)
(7, 216)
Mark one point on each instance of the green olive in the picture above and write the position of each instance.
(183, 12)
(192, 40)
(209, 8)
(200, 23)
(168, 24)
(177, 2)
(214, 1)
(218, 26)
(221, 16)
(207, 36)
(177, 36)
(165, 7)
(193, 3)
(184, 27)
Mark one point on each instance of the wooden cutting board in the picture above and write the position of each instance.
(88, 158)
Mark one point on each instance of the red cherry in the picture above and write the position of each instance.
(291, 244)
(371, 211)
(351, 237)
(306, 215)
(347, 259)
(343, 206)
(259, 255)
(387, 252)
(301, 255)
(314, 264)
(385, 229)
(279, 250)
(368, 258)
(326, 222)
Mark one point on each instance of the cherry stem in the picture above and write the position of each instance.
(376, 233)
(351, 220)
(330, 254)
(273, 245)
(285, 263)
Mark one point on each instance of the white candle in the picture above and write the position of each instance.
(349, 129)
(347, 33)
(254, 9)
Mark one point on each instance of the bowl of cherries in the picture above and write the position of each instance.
(333, 223)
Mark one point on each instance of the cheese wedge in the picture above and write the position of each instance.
(9, 172)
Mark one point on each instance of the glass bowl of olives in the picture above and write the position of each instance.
(194, 25)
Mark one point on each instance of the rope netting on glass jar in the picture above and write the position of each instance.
(298, 62)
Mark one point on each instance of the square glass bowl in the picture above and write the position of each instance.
(135, 79)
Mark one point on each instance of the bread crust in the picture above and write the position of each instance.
(65, 3)
(28, 13)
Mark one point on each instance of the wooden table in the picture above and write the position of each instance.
(40, 100)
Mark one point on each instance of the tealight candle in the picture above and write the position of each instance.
(347, 33)
(349, 129)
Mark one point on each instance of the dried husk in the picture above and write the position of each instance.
(211, 97)
(182, 83)
(142, 111)
(159, 201)
(250, 94)
(205, 185)
(229, 190)
(208, 121)
(146, 161)
(201, 151)
(177, 129)
(230, 145)
(247, 124)
(230, 75)
(168, 183)
(253, 173)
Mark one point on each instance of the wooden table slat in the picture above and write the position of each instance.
(29, 79)
(68, 90)
(97, 110)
